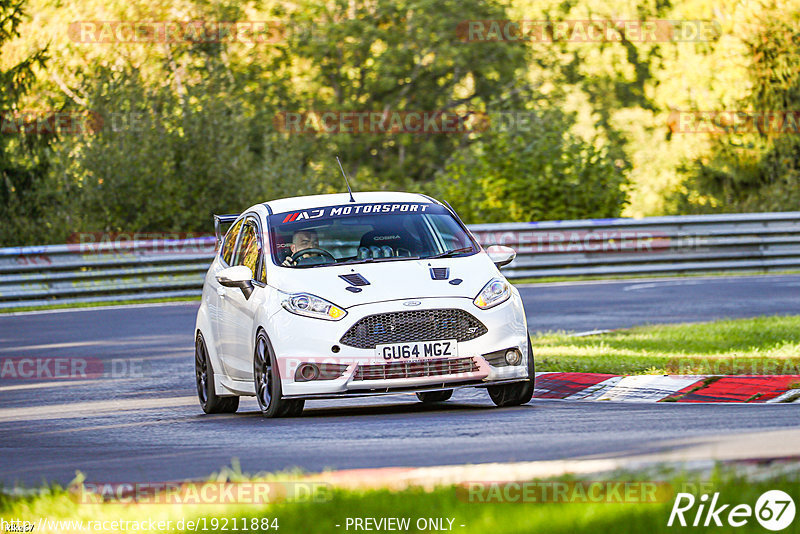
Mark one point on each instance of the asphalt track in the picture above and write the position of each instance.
(150, 428)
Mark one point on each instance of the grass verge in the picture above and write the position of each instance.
(466, 509)
(762, 345)
(648, 276)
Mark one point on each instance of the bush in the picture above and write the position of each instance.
(545, 173)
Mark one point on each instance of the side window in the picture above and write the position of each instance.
(263, 277)
(230, 242)
(249, 248)
(449, 232)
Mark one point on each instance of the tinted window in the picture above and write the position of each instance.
(263, 277)
(249, 248)
(367, 232)
(230, 242)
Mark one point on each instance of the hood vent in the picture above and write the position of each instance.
(354, 279)
(440, 273)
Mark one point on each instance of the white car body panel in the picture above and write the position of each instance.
(389, 281)
(229, 322)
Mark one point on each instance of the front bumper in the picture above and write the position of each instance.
(314, 340)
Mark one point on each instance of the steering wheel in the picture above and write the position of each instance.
(320, 251)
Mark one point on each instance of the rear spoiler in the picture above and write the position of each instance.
(219, 220)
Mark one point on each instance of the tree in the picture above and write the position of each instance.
(757, 168)
(545, 173)
(170, 154)
(390, 55)
(23, 159)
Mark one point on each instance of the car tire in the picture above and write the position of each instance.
(429, 397)
(267, 382)
(518, 392)
(204, 379)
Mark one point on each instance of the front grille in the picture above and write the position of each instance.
(418, 325)
(415, 369)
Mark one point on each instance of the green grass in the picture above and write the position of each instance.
(69, 306)
(511, 517)
(321, 516)
(763, 345)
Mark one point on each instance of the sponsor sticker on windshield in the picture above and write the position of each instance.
(350, 210)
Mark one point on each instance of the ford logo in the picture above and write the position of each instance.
(412, 303)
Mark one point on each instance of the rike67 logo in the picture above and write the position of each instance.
(774, 510)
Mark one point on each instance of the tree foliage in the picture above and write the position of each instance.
(188, 128)
(398, 56)
(544, 173)
(23, 151)
(759, 169)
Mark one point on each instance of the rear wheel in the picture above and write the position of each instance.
(518, 392)
(428, 397)
(268, 383)
(204, 378)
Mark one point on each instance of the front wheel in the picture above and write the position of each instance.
(518, 392)
(204, 379)
(268, 383)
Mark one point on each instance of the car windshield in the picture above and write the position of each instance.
(361, 233)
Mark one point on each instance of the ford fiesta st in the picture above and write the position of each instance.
(339, 296)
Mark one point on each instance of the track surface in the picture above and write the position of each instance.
(151, 428)
(581, 306)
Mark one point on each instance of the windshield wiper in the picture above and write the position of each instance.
(375, 260)
(450, 253)
(394, 258)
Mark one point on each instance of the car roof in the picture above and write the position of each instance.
(317, 201)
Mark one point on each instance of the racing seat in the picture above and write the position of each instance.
(386, 243)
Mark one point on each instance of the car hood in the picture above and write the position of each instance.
(394, 280)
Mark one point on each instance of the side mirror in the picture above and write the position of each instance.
(501, 255)
(238, 276)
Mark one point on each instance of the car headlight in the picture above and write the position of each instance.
(311, 306)
(495, 292)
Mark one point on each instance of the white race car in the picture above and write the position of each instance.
(342, 296)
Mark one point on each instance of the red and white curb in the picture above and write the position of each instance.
(668, 388)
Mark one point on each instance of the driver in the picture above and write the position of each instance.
(301, 240)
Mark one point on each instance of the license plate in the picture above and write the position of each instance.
(447, 348)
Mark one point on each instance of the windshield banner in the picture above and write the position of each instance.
(351, 210)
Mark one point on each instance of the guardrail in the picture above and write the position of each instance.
(652, 245)
(134, 269)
